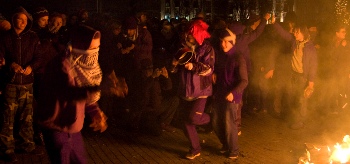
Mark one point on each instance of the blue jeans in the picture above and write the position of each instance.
(225, 124)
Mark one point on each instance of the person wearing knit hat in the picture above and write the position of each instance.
(71, 89)
(231, 79)
(196, 81)
(41, 17)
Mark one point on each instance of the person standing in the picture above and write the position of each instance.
(232, 79)
(20, 47)
(303, 70)
(196, 82)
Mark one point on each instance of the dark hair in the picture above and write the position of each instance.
(303, 29)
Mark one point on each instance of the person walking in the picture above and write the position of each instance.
(232, 79)
(71, 90)
(196, 82)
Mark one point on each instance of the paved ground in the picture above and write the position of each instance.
(264, 140)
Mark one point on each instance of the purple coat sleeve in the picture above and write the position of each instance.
(282, 32)
(205, 65)
(243, 74)
(256, 33)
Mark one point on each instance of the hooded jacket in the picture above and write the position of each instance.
(309, 53)
(232, 76)
(23, 49)
(197, 83)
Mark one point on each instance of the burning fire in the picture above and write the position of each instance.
(341, 153)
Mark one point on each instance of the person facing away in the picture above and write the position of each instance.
(70, 91)
(231, 79)
(20, 47)
(196, 82)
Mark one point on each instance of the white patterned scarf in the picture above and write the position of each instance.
(86, 70)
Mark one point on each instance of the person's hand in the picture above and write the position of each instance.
(2, 62)
(156, 73)
(214, 78)
(119, 87)
(175, 62)
(189, 66)
(230, 97)
(343, 43)
(131, 47)
(28, 70)
(309, 90)
(16, 68)
(273, 20)
(125, 51)
(164, 72)
(99, 122)
(269, 75)
(119, 45)
(267, 16)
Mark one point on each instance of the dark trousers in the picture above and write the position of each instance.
(65, 148)
(225, 124)
(295, 96)
(196, 116)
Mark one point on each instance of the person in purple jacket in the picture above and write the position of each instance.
(196, 82)
(232, 79)
(303, 70)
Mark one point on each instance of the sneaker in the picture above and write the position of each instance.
(11, 157)
(233, 156)
(296, 126)
(223, 150)
(192, 156)
(167, 128)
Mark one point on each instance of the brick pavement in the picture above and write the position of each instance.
(264, 139)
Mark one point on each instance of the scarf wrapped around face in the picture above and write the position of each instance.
(86, 70)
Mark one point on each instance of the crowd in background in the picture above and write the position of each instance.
(293, 68)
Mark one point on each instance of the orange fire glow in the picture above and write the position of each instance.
(341, 153)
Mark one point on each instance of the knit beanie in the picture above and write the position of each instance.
(198, 29)
(130, 23)
(229, 35)
(40, 12)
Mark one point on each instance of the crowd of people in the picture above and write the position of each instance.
(155, 74)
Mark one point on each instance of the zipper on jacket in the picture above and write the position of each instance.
(20, 55)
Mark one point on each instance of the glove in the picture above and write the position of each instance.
(99, 122)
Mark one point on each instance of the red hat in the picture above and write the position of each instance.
(198, 29)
